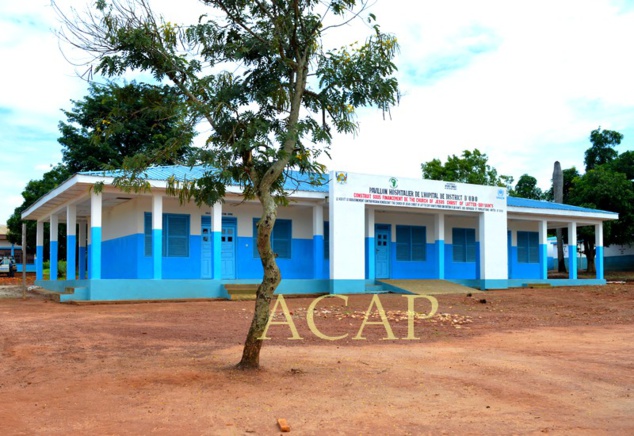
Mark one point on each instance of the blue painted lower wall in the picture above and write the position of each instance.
(460, 270)
(619, 263)
(124, 258)
(522, 270)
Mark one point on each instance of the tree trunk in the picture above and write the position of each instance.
(590, 252)
(558, 197)
(270, 281)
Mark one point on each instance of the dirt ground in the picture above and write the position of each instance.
(520, 361)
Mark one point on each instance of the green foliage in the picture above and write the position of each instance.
(472, 167)
(116, 121)
(111, 123)
(526, 187)
(607, 185)
(602, 150)
(33, 191)
(257, 73)
(61, 268)
(602, 188)
(624, 163)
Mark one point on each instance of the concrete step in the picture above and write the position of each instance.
(375, 289)
(241, 291)
(537, 285)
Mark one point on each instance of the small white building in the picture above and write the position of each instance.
(344, 236)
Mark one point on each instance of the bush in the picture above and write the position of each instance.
(46, 264)
(61, 268)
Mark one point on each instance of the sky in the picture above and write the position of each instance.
(523, 81)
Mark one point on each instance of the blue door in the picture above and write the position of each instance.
(228, 250)
(206, 254)
(382, 251)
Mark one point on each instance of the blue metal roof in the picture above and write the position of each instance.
(539, 204)
(301, 182)
(295, 181)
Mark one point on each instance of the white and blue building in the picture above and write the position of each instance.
(344, 236)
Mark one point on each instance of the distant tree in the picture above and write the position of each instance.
(624, 163)
(112, 123)
(526, 187)
(33, 191)
(472, 167)
(118, 121)
(603, 188)
(602, 150)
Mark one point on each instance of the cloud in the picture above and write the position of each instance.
(524, 82)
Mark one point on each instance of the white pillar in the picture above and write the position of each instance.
(54, 246)
(95, 235)
(439, 244)
(492, 234)
(157, 235)
(347, 239)
(82, 250)
(572, 250)
(370, 249)
(71, 241)
(543, 249)
(216, 232)
(39, 251)
(318, 241)
(598, 256)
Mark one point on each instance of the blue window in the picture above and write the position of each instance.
(147, 227)
(326, 240)
(464, 246)
(280, 238)
(527, 247)
(175, 235)
(411, 243)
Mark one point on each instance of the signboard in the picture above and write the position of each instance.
(430, 194)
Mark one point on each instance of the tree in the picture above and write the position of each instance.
(33, 191)
(116, 121)
(558, 196)
(472, 168)
(259, 75)
(602, 188)
(602, 150)
(526, 187)
(111, 123)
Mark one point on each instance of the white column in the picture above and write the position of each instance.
(543, 249)
(216, 232)
(370, 249)
(157, 235)
(82, 250)
(54, 246)
(439, 244)
(572, 250)
(95, 235)
(318, 241)
(39, 251)
(347, 239)
(71, 241)
(493, 242)
(598, 256)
